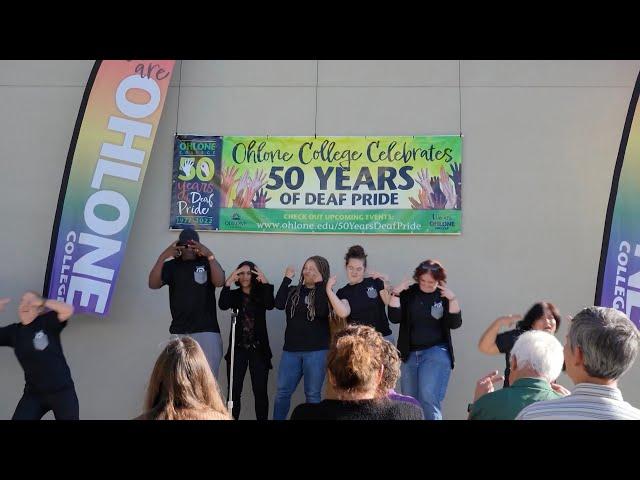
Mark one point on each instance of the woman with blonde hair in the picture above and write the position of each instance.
(182, 386)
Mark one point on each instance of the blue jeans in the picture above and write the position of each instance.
(425, 377)
(293, 366)
(211, 344)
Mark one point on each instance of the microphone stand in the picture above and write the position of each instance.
(234, 316)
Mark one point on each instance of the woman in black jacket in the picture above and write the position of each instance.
(251, 300)
(427, 312)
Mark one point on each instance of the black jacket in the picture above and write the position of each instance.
(401, 315)
(263, 301)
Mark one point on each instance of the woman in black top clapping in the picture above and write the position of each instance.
(306, 338)
(251, 300)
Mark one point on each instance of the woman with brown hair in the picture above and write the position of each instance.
(355, 368)
(182, 386)
(427, 311)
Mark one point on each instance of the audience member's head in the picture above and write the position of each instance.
(182, 386)
(354, 363)
(536, 354)
(541, 316)
(391, 365)
(601, 345)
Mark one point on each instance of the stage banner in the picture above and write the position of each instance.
(106, 163)
(618, 284)
(369, 185)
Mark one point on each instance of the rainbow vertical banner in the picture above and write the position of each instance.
(106, 163)
(618, 284)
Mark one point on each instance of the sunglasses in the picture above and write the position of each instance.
(429, 266)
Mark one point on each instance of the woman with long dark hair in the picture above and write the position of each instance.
(541, 316)
(306, 337)
(252, 350)
(359, 301)
(182, 386)
(427, 312)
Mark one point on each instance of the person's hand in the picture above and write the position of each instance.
(259, 180)
(187, 166)
(242, 185)
(385, 296)
(448, 189)
(509, 320)
(423, 202)
(200, 249)
(172, 251)
(378, 276)
(261, 199)
(424, 182)
(290, 272)
(438, 199)
(331, 282)
(227, 182)
(485, 384)
(233, 278)
(260, 275)
(3, 303)
(403, 285)
(560, 389)
(204, 168)
(456, 176)
(445, 292)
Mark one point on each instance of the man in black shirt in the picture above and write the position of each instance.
(36, 343)
(192, 273)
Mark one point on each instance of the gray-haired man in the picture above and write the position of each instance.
(601, 346)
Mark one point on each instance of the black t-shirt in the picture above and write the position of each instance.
(426, 311)
(505, 342)
(191, 296)
(39, 351)
(379, 409)
(303, 333)
(367, 308)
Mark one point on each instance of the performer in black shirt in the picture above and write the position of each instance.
(36, 343)
(359, 301)
(306, 338)
(427, 312)
(192, 273)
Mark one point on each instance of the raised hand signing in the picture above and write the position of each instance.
(260, 275)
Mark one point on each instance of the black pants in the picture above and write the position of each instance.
(33, 406)
(259, 371)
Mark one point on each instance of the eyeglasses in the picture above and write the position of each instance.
(429, 266)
